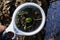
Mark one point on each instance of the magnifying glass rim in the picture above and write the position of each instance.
(38, 29)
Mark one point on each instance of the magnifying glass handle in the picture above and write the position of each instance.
(9, 30)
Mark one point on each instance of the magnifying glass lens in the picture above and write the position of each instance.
(28, 18)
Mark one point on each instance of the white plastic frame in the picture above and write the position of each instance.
(12, 27)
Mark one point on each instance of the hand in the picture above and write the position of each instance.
(2, 28)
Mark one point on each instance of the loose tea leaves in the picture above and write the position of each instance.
(28, 19)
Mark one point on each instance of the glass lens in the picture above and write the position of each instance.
(28, 18)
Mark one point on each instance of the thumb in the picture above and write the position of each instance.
(2, 28)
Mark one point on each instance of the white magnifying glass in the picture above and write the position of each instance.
(13, 27)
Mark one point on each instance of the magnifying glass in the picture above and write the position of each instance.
(28, 19)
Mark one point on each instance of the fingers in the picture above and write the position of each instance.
(2, 28)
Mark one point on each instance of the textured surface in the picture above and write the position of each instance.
(53, 21)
